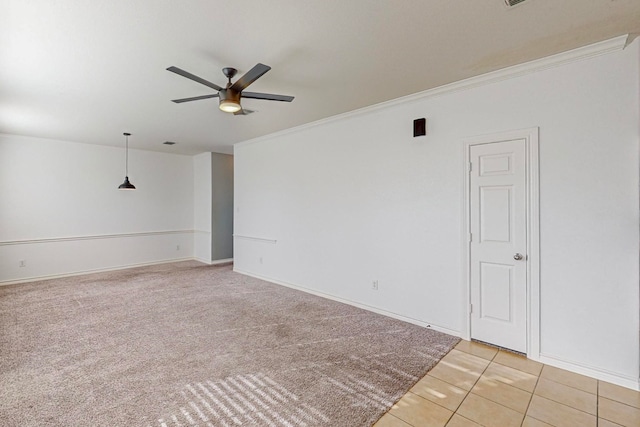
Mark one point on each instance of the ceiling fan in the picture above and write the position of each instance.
(231, 94)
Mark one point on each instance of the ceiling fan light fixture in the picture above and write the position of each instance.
(230, 106)
(229, 101)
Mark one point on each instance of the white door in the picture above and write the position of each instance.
(498, 259)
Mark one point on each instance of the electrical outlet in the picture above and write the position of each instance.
(177, 247)
(374, 285)
(23, 263)
(260, 260)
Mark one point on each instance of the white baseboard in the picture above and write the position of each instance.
(590, 371)
(221, 261)
(97, 270)
(353, 303)
(214, 262)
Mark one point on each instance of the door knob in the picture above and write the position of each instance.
(518, 257)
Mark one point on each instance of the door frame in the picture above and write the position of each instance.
(532, 214)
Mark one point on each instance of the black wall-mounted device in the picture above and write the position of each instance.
(419, 127)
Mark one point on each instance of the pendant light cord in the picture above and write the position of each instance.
(126, 156)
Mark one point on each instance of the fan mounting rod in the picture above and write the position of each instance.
(229, 72)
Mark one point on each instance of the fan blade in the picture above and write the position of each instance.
(195, 98)
(243, 112)
(251, 76)
(267, 96)
(194, 78)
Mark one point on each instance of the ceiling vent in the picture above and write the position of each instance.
(513, 2)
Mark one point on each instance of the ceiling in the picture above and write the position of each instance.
(87, 71)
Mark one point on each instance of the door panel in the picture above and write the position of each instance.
(495, 214)
(496, 293)
(499, 164)
(498, 232)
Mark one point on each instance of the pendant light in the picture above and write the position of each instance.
(126, 185)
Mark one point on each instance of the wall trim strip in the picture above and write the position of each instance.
(258, 239)
(93, 237)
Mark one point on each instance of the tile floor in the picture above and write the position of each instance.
(477, 385)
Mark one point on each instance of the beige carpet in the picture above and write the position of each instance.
(186, 344)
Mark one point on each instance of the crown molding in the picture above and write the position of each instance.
(596, 49)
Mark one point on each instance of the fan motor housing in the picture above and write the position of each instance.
(229, 95)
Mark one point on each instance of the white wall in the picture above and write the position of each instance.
(356, 199)
(61, 210)
(202, 195)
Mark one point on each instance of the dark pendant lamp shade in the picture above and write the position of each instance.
(126, 185)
